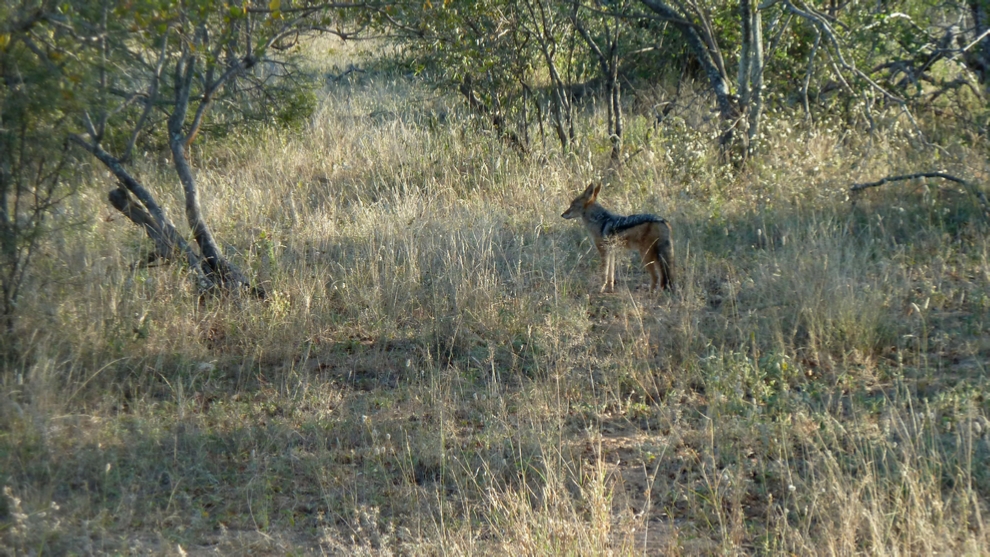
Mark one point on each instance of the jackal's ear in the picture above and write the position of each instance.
(594, 189)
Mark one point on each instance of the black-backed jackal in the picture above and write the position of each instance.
(647, 234)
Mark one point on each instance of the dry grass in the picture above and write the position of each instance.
(436, 372)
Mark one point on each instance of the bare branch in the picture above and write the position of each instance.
(821, 21)
(90, 128)
(866, 185)
(970, 187)
(39, 53)
(312, 9)
(244, 63)
(589, 40)
(976, 41)
(152, 97)
(807, 75)
(123, 176)
(161, 222)
(350, 69)
(779, 33)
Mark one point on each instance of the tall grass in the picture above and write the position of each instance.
(436, 372)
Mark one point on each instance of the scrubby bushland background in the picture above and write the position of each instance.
(432, 369)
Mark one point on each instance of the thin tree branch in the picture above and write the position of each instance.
(152, 97)
(123, 176)
(311, 9)
(142, 194)
(970, 187)
(821, 21)
(807, 75)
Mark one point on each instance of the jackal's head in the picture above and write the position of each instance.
(582, 201)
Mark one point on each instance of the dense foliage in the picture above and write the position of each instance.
(525, 61)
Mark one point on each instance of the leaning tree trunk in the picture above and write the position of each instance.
(144, 211)
(212, 269)
(717, 79)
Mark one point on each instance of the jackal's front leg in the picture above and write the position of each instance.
(604, 253)
(609, 260)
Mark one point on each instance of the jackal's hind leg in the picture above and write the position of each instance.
(653, 268)
(649, 257)
(665, 264)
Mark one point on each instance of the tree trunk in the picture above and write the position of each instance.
(151, 217)
(609, 66)
(615, 96)
(745, 59)
(211, 267)
(165, 247)
(756, 70)
(717, 79)
(220, 271)
(560, 104)
(561, 109)
(751, 71)
(978, 58)
(615, 111)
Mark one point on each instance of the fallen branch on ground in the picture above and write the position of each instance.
(970, 187)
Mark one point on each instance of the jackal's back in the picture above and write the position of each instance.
(619, 223)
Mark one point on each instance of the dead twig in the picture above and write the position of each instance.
(338, 78)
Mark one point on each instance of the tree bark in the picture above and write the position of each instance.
(164, 246)
(218, 269)
(978, 58)
(609, 65)
(717, 79)
(751, 70)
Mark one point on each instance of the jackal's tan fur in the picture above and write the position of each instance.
(645, 233)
